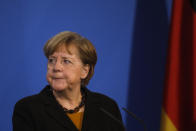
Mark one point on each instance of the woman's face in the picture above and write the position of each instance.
(65, 69)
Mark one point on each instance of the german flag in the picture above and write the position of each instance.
(179, 101)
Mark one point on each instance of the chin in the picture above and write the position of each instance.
(58, 87)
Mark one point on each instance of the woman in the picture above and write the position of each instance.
(66, 104)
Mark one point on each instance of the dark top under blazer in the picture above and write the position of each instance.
(41, 112)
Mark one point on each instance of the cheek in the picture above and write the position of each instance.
(48, 76)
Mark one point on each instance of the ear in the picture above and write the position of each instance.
(85, 71)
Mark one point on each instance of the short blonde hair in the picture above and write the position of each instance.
(86, 50)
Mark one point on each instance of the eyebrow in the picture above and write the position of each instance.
(51, 57)
(64, 57)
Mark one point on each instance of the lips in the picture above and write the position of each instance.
(57, 78)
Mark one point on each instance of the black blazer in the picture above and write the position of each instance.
(41, 112)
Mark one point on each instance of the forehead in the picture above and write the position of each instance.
(68, 50)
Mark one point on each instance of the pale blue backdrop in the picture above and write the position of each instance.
(130, 37)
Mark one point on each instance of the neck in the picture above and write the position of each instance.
(68, 98)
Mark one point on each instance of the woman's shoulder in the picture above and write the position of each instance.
(28, 100)
(96, 97)
(104, 104)
(101, 97)
(34, 99)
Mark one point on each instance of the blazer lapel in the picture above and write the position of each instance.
(60, 117)
(57, 113)
(90, 123)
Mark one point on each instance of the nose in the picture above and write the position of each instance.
(57, 66)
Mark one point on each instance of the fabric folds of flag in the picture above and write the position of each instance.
(179, 101)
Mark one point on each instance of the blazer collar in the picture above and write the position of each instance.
(56, 112)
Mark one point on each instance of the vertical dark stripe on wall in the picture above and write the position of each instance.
(148, 58)
(193, 3)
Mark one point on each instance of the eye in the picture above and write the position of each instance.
(51, 60)
(66, 61)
